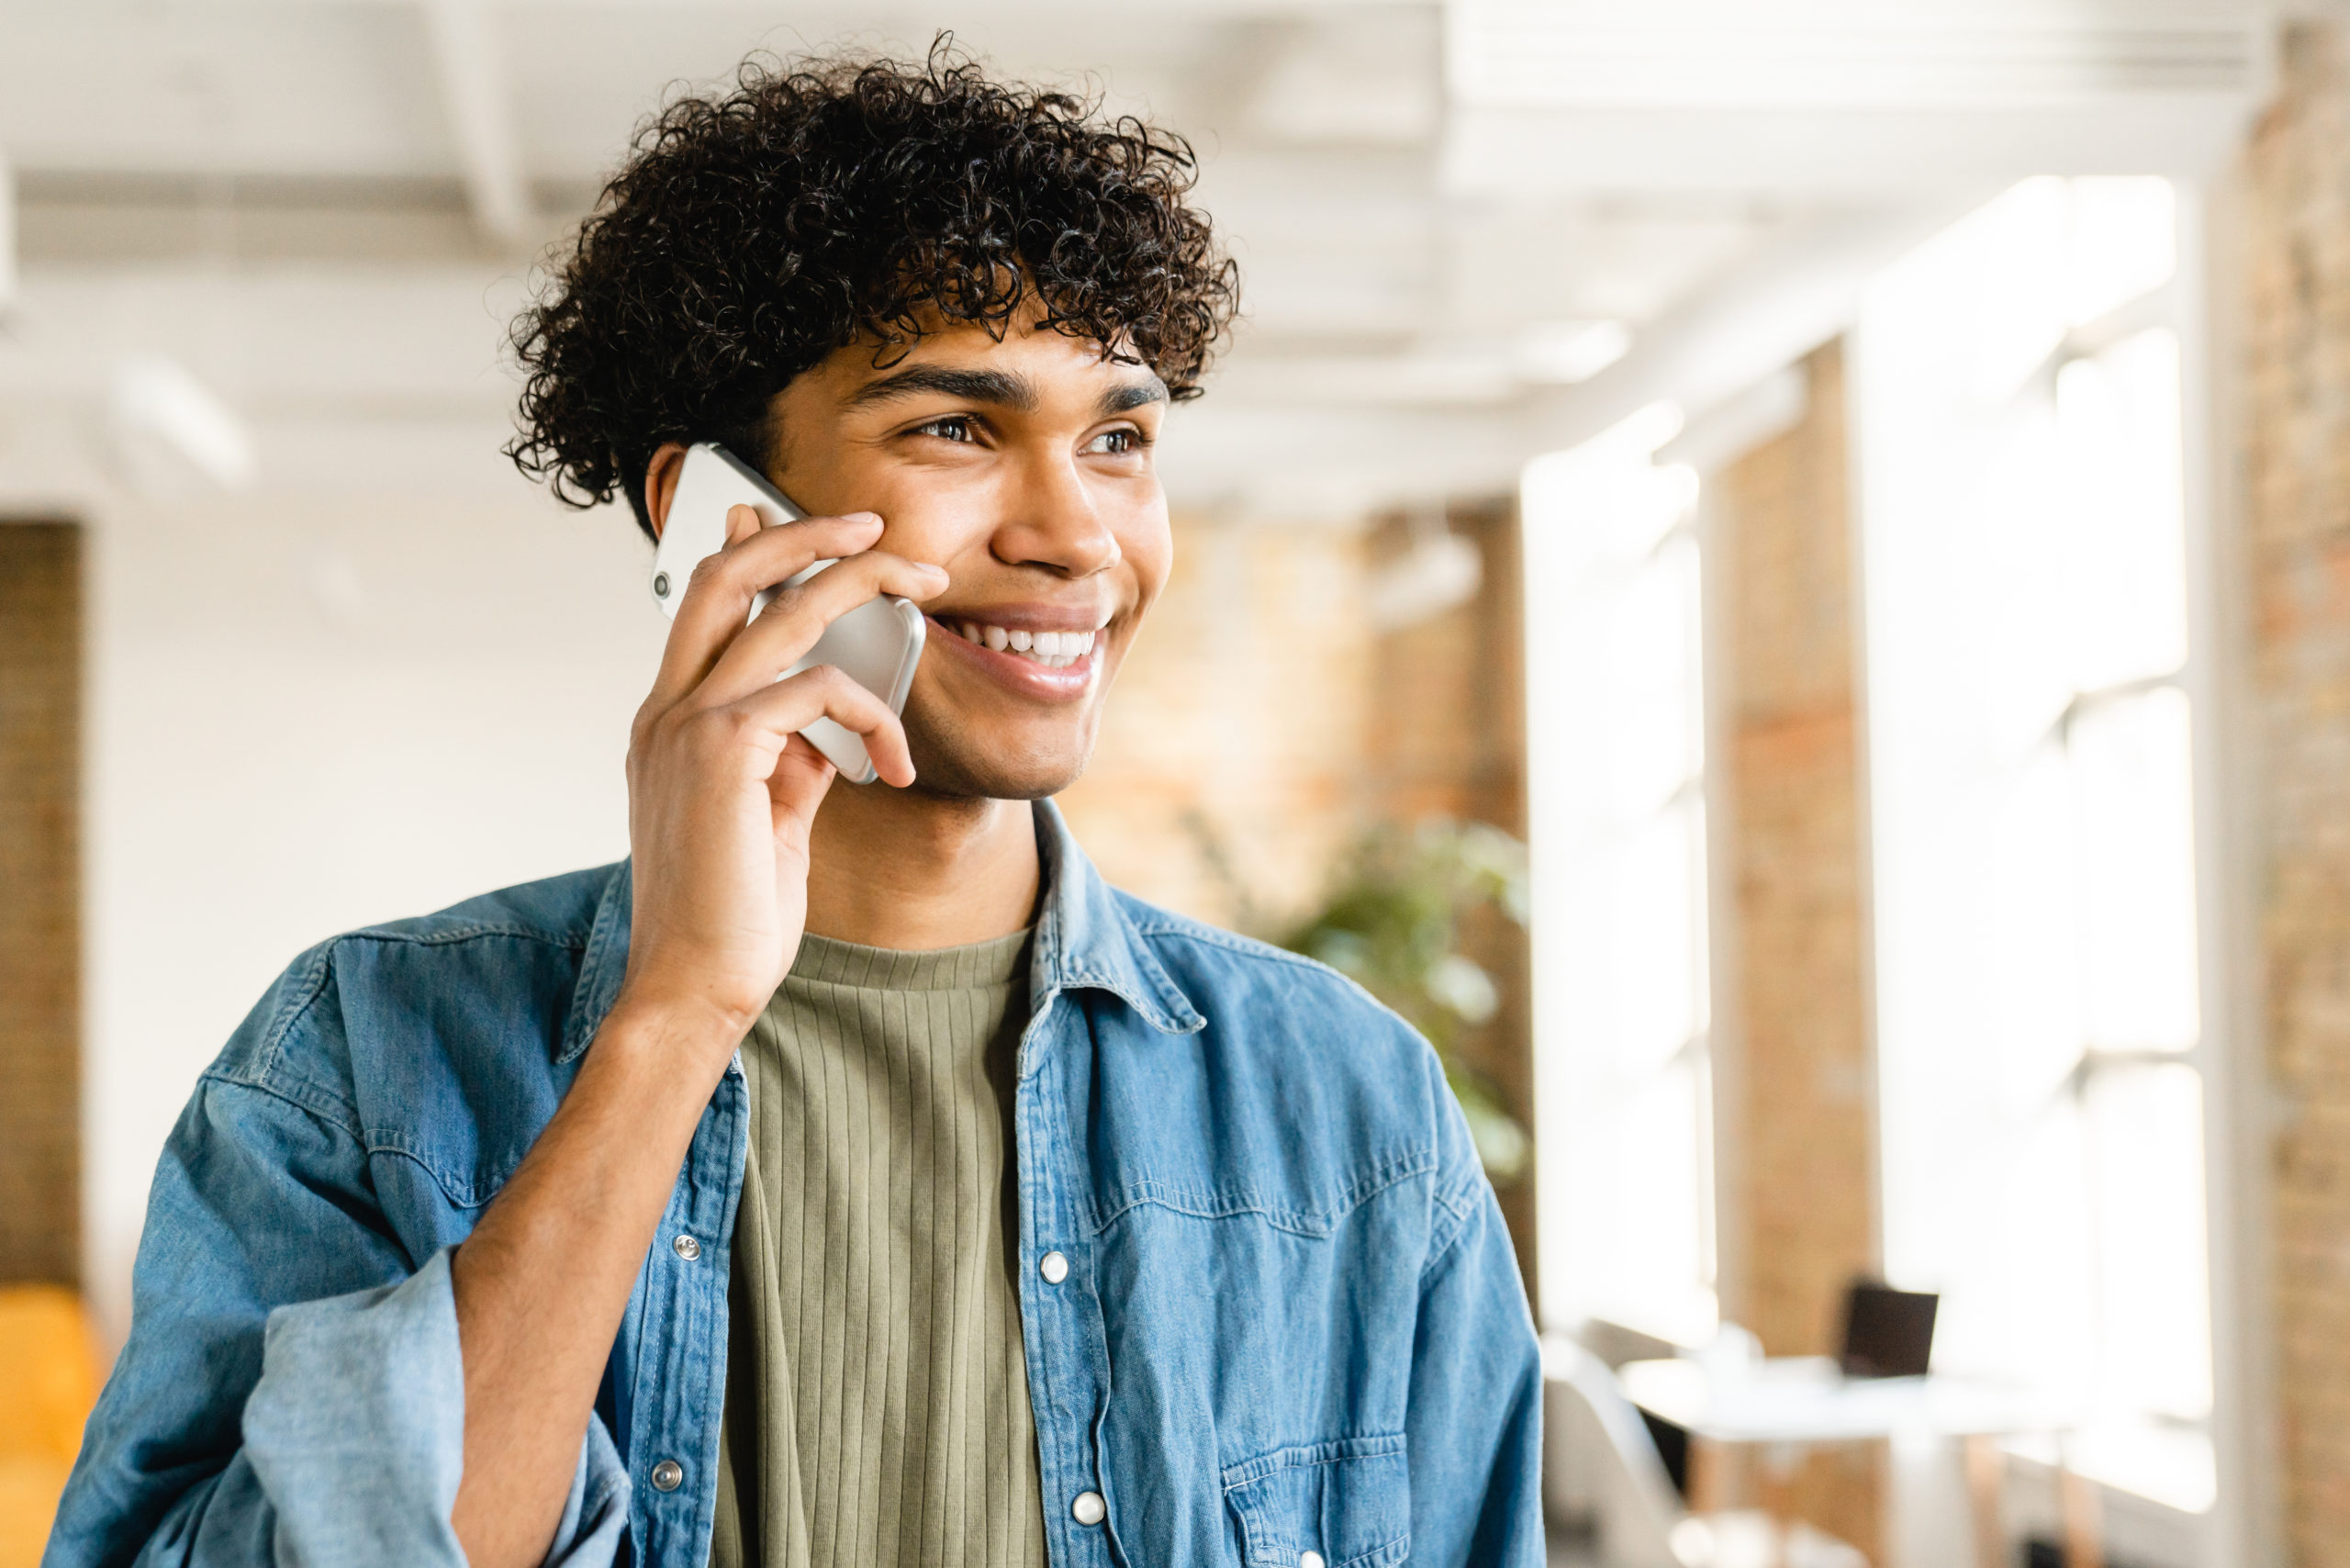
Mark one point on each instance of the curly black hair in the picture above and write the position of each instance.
(751, 234)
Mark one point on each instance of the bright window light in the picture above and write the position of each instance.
(2122, 243)
(1623, 1079)
(2134, 835)
(2017, 399)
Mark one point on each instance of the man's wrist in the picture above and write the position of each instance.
(673, 1028)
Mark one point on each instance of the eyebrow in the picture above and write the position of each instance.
(1000, 387)
(1004, 389)
(1132, 395)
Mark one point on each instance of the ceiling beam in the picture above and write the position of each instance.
(1828, 54)
(466, 60)
(1797, 294)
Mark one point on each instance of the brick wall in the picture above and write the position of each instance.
(40, 902)
(1795, 844)
(1448, 738)
(1239, 728)
(2296, 243)
(1449, 727)
(1802, 1115)
(1261, 723)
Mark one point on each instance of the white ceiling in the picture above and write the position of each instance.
(1320, 125)
(1416, 191)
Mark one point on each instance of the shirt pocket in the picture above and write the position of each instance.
(1347, 1503)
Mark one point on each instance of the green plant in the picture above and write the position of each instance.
(1393, 924)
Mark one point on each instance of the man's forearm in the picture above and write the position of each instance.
(542, 1283)
(723, 795)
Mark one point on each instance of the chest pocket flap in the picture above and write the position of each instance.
(1346, 1503)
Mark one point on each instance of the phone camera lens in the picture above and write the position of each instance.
(660, 584)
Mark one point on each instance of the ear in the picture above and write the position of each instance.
(660, 483)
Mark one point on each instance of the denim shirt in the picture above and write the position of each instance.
(1291, 1324)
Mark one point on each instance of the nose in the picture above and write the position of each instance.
(1056, 524)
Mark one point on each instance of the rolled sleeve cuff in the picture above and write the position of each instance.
(356, 1432)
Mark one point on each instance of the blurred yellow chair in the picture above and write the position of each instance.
(48, 1380)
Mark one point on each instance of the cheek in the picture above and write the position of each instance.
(923, 525)
(1149, 547)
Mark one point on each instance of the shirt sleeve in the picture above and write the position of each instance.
(292, 1391)
(1475, 1416)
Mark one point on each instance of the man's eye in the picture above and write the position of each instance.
(1115, 442)
(955, 428)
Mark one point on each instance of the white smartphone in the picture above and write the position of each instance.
(877, 645)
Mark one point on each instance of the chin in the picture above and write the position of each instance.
(961, 766)
(993, 783)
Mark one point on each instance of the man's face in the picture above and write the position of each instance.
(1025, 468)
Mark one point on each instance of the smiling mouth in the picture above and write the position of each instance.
(1050, 650)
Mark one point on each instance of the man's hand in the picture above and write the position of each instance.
(721, 792)
(721, 788)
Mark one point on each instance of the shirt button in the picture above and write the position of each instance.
(1088, 1509)
(1055, 1268)
(685, 1247)
(668, 1475)
(1309, 1560)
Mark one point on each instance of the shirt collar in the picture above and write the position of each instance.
(1085, 941)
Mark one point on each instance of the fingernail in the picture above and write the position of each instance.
(861, 517)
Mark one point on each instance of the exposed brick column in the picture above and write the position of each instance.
(1260, 711)
(40, 902)
(1794, 772)
(1239, 719)
(1446, 737)
(1802, 1117)
(2296, 552)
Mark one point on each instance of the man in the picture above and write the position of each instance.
(849, 1176)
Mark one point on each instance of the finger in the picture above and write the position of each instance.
(782, 708)
(797, 618)
(717, 599)
(801, 776)
(718, 595)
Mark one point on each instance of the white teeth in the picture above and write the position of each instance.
(1054, 650)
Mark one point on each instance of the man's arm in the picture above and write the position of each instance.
(1475, 1419)
(291, 1389)
(542, 1283)
(722, 797)
(296, 1387)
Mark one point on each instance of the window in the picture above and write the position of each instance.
(1617, 762)
(2039, 955)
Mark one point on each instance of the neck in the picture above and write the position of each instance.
(906, 870)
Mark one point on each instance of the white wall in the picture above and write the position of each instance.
(390, 676)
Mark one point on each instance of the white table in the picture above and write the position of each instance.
(1802, 1401)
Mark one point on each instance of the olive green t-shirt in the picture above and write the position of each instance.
(877, 1397)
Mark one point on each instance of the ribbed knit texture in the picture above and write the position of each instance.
(877, 1400)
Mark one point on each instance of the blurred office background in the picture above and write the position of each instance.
(1861, 489)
